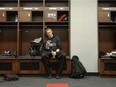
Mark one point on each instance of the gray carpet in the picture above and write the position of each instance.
(88, 81)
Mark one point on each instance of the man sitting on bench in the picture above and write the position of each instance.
(52, 46)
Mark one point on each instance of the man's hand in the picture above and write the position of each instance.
(48, 44)
(53, 54)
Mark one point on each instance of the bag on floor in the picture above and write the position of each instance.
(78, 70)
(11, 77)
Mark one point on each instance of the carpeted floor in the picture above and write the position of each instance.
(40, 81)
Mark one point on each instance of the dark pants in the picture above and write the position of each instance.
(61, 61)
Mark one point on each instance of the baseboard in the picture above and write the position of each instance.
(92, 74)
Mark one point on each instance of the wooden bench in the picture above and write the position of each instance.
(28, 65)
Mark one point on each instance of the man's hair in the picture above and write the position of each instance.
(48, 29)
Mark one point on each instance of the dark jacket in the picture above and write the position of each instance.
(55, 43)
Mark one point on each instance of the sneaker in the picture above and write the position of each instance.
(49, 76)
(58, 77)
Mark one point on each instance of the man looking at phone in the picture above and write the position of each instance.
(52, 49)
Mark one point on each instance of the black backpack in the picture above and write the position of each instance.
(35, 48)
(78, 70)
